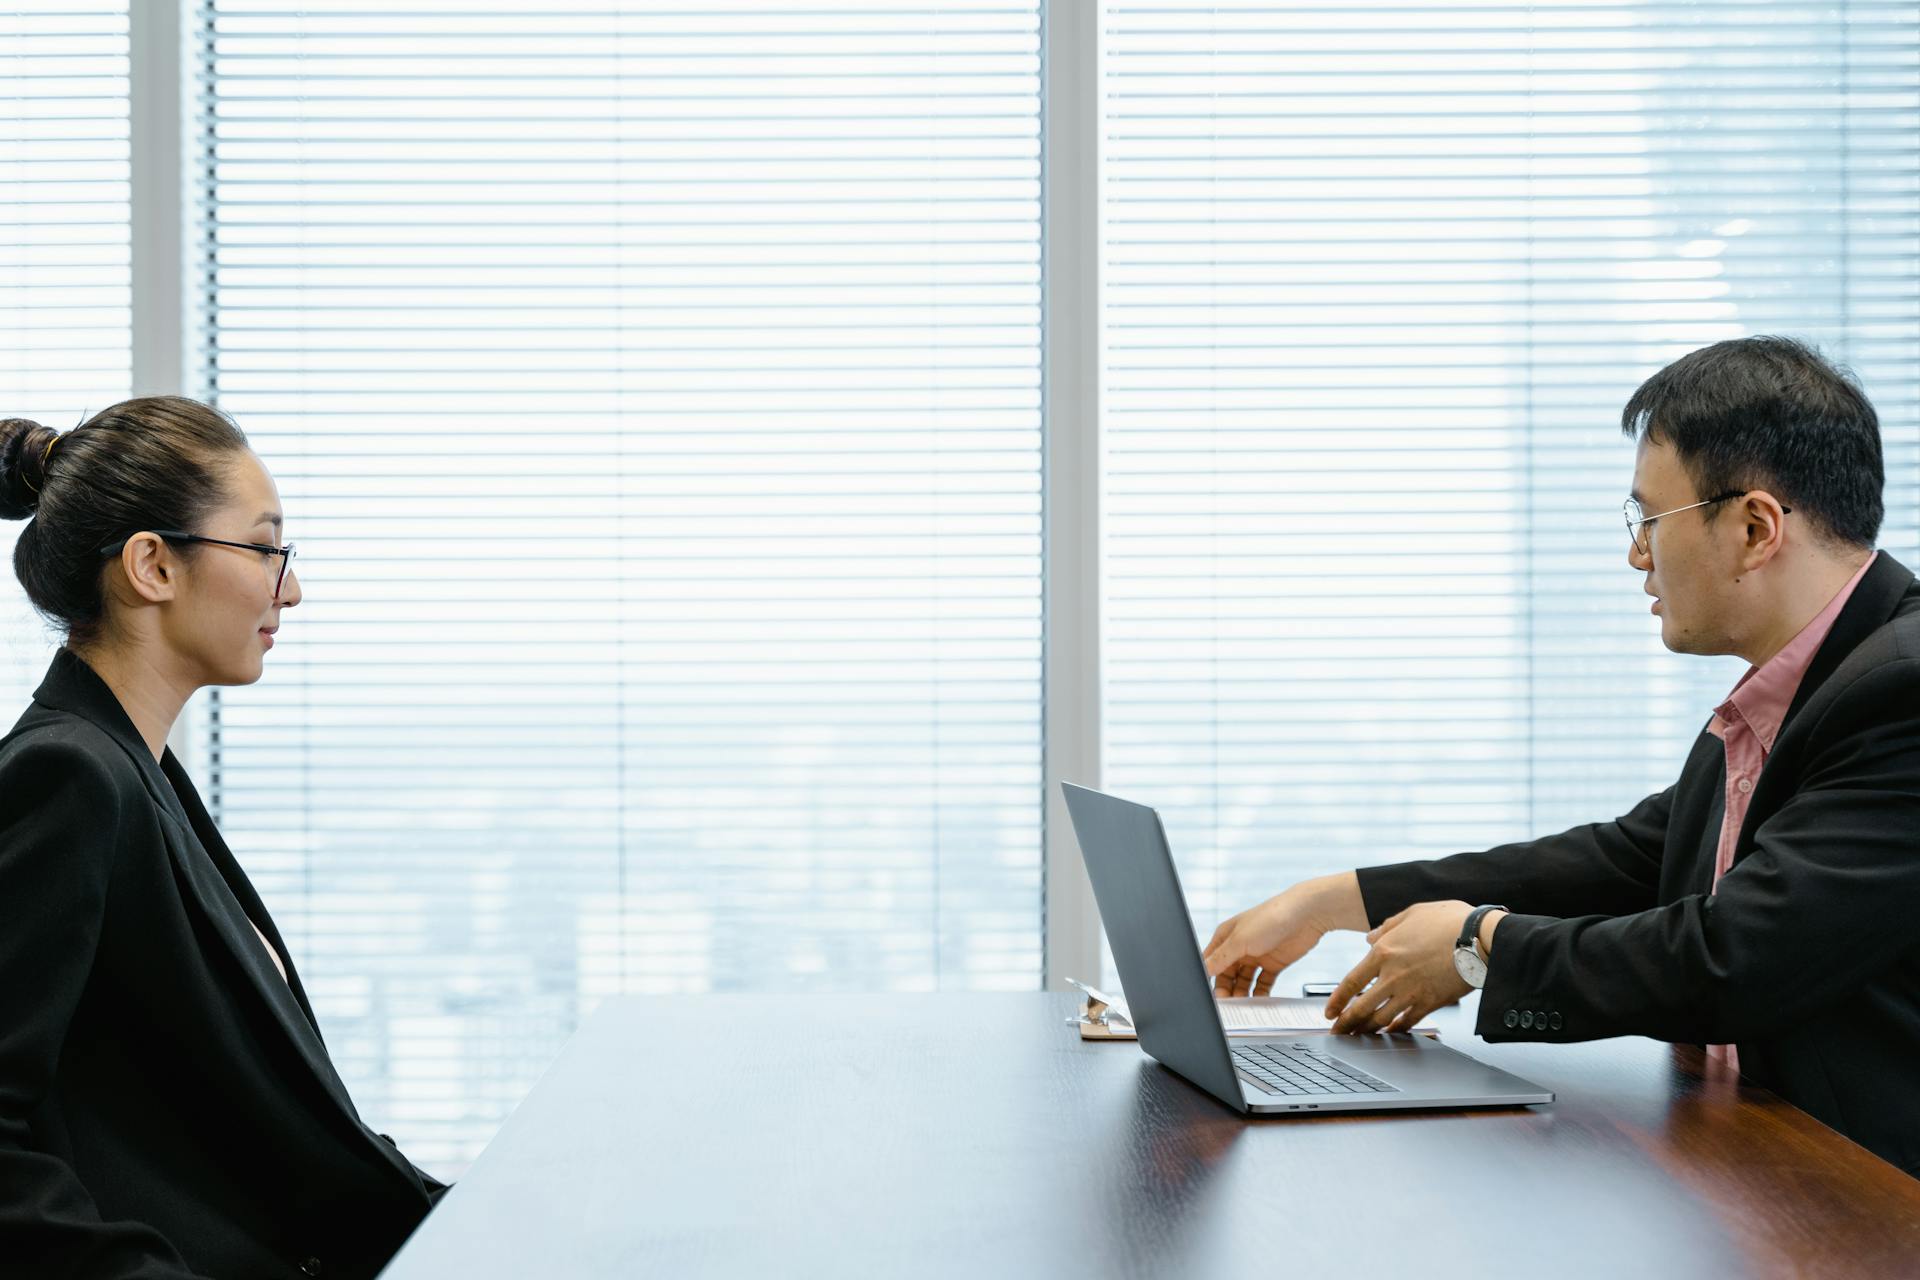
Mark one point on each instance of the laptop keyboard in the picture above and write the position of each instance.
(1294, 1069)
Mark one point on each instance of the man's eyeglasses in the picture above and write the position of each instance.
(278, 573)
(1640, 525)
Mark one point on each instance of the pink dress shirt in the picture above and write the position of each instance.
(1748, 722)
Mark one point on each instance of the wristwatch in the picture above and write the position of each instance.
(1467, 960)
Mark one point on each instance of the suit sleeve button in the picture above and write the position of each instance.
(311, 1267)
(1526, 1019)
(1554, 1022)
(1512, 1019)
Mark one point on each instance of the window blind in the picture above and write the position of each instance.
(1378, 280)
(654, 395)
(65, 309)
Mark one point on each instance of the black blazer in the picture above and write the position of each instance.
(167, 1107)
(1808, 956)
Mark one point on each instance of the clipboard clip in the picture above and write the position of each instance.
(1100, 1008)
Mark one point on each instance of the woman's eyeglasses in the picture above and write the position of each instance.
(277, 572)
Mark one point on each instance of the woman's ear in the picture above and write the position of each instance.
(150, 569)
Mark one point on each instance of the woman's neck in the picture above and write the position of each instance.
(150, 696)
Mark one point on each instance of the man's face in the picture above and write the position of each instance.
(1690, 562)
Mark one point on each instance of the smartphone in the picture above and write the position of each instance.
(1320, 990)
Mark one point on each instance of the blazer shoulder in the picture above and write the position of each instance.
(53, 753)
(1901, 633)
(1879, 681)
(1892, 643)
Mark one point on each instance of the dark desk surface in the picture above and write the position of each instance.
(977, 1135)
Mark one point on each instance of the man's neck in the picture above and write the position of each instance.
(150, 696)
(1800, 600)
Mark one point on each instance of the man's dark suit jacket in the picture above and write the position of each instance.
(167, 1108)
(1808, 954)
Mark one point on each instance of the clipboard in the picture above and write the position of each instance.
(1099, 1020)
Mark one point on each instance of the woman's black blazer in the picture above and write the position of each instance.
(167, 1107)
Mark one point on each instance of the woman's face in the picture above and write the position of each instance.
(230, 610)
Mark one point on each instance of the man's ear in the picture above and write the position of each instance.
(152, 572)
(1763, 518)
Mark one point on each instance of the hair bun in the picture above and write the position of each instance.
(23, 465)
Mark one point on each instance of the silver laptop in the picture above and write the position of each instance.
(1171, 1000)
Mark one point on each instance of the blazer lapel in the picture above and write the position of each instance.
(210, 870)
(1872, 605)
(196, 871)
(1875, 602)
(238, 892)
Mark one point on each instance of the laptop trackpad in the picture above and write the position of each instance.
(1401, 1043)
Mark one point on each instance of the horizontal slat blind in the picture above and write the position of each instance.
(65, 311)
(1378, 280)
(654, 393)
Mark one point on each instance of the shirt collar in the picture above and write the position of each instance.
(1762, 696)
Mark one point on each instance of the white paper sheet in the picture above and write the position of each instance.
(1271, 1013)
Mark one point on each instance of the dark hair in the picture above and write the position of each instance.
(1770, 413)
(141, 464)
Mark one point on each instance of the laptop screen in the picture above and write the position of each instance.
(1145, 915)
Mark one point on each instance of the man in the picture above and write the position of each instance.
(1765, 904)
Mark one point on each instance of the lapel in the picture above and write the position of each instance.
(204, 864)
(1874, 603)
(232, 889)
(1870, 607)
(210, 876)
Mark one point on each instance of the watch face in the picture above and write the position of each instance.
(1472, 969)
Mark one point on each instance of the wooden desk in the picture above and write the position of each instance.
(976, 1135)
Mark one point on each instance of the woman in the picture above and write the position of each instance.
(167, 1107)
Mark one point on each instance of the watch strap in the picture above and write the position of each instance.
(1470, 931)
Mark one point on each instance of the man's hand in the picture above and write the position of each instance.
(1249, 950)
(1410, 970)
